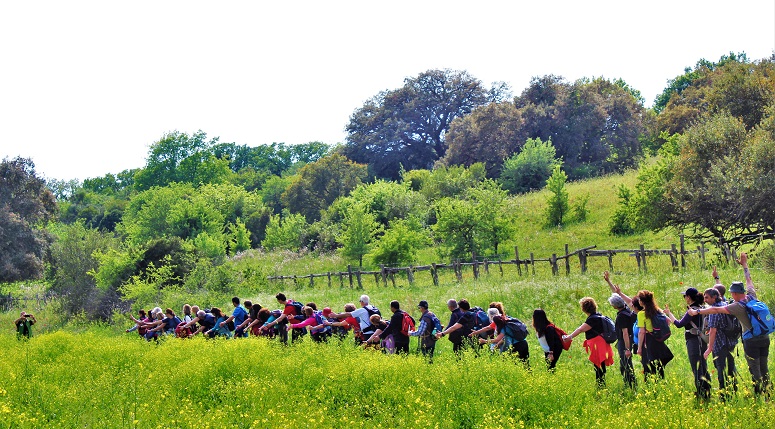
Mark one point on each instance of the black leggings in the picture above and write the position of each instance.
(600, 375)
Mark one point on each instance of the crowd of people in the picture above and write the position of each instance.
(711, 324)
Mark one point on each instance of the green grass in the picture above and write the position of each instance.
(97, 376)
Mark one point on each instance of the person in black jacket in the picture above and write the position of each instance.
(695, 346)
(550, 339)
(625, 320)
(400, 339)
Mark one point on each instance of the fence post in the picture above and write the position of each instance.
(410, 275)
(532, 262)
(637, 259)
(350, 274)
(701, 249)
(341, 280)
(475, 265)
(500, 265)
(554, 264)
(311, 281)
(458, 271)
(673, 257)
(329, 279)
(516, 258)
(643, 252)
(610, 261)
(567, 260)
(486, 266)
(384, 274)
(295, 282)
(683, 251)
(393, 277)
(358, 277)
(376, 279)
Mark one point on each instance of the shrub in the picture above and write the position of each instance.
(557, 203)
(530, 168)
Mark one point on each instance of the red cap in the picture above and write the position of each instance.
(327, 311)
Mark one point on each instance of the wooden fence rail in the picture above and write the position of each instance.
(355, 276)
(38, 301)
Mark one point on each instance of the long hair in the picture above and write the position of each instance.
(540, 321)
(649, 303)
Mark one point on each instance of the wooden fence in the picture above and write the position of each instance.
(354, 276)
(37, 302)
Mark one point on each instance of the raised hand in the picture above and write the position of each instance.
(743, 260)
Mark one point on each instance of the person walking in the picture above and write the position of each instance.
(600, 353)
(695, 342)
(425, 330)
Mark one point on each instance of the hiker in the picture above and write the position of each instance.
(322, 332)
(428, 324)
(600, 353)
(290, 310)
(238, 317)
(251, 315)
(625, 319)
(314, 319)
(205, 320)
(654, 353)
(154, 325)
(756, 347)
(362, 315)
(460, 324)
(219, 329)
(24, 325)
(187, 314)
(168, 323)
(377, 325)
(549, 337)
(397, 328)
(696, 346)
(511, 337)
(340, 328)
(722, 340)
(139, 322)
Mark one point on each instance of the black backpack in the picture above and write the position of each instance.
(372, 310)
(732, 329)
(609, 329)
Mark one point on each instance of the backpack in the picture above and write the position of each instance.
(481, 319)
(701, 330)
(560, 333)
(609, 329)
(515, 329)
(407, 324)
(372, 310)
(660, 327)
(231, 325)
(297, 306)
(762, 322)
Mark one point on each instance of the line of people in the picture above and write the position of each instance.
(641, 327)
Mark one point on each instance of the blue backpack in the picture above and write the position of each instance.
(319, 319)
(609, 329)
(762, 322)
(481, 320)
(515, 329)
(661, 327)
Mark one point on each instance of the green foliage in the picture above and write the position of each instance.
(285, 232)
(389, 201)
(182, 158)
(415, 179)
(579, 208)
(239, 237)
(210, 245)
(475, 225)
(360, 228)
(73, 261)
(557, 202)
(272, 191)
(147, 288)
(320, 183)
(528, 170)
(452, 181)
(399, 244)
(25, 205)
(406, 126)
(621, 222)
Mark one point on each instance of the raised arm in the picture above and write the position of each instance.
(616, 289)
(748, 282)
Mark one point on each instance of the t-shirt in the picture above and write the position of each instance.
(362, 315)
(738, 310)
(644, 322)
(208, 322)
(24, 327)
(624, 320)
(240, 315)
(595, 321)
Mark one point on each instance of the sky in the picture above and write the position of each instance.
(87, 86)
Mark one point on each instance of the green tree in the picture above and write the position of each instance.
(360, 228)
(455, 228)
(26, 204)
(557, 202)
(452, 181)
(406, 126)
(320, 183)
(285, 232)
(399, 244)
(529, 169)
(239, 237)
(495, 214)
(72, 262)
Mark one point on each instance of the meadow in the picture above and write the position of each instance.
(86, 375)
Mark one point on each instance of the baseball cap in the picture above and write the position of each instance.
(423, 304)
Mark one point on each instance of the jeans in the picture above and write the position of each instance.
(756, 352)
(695, 349)
(725, 367)
(625, 366)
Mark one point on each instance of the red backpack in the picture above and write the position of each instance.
(407, 324)
(561, 333)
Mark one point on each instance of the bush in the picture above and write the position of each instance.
(621, 221)
(579, 208)
(399, 244)
(530, 168)
(285, 232)
(557, 203)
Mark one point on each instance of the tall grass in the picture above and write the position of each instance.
(97, 376)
